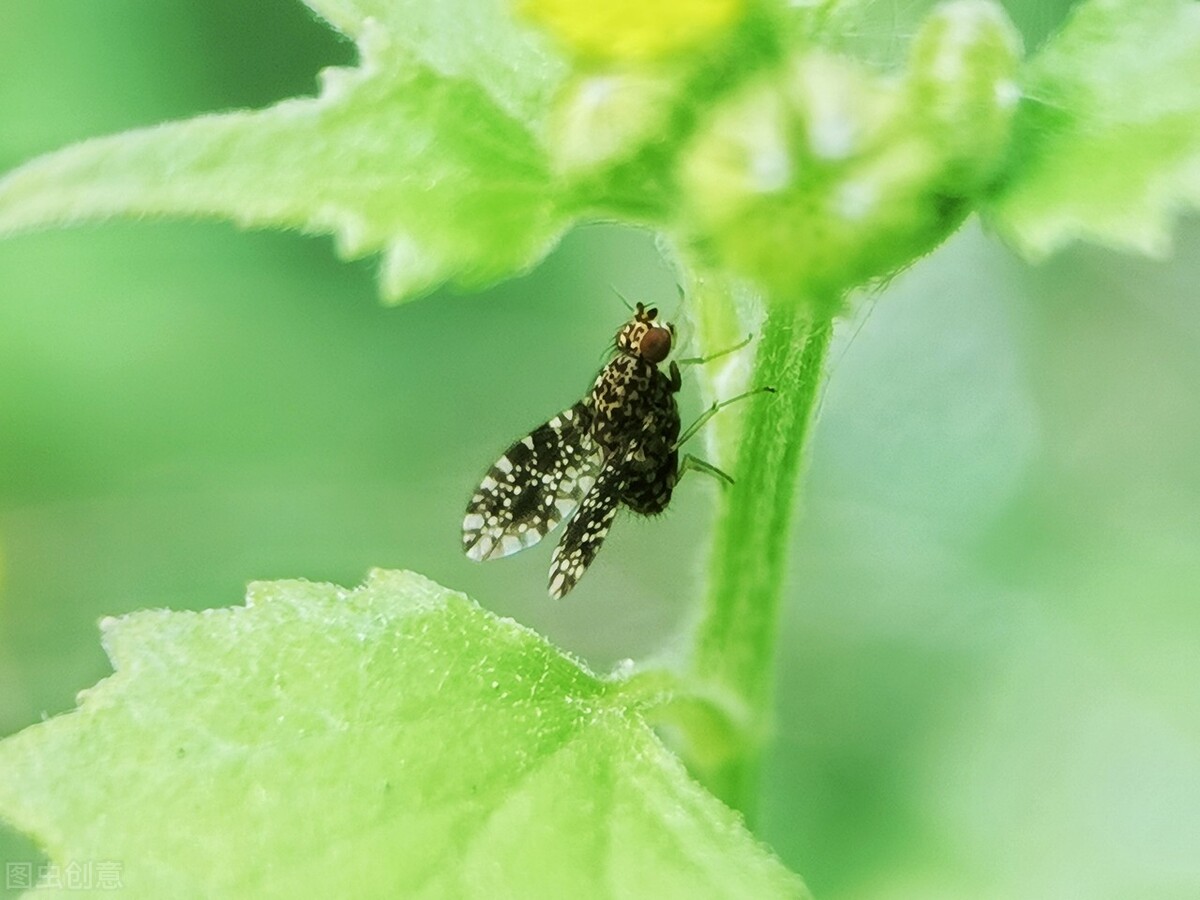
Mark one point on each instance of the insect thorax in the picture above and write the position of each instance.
(634, 412)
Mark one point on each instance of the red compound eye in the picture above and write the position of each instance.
(655, 345)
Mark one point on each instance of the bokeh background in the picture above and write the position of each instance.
(990, 670)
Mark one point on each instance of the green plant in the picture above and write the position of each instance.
(782, 172)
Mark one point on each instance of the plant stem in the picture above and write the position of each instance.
(735, 643)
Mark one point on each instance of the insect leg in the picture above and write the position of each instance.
(700, 465)
(691, 430)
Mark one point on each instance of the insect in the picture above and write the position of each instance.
(618, 446)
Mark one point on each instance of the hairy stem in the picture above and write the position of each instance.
(735, 642)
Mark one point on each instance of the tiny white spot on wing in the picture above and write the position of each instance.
(479, 552)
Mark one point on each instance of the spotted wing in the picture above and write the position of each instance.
(529, 490)
(586, 531)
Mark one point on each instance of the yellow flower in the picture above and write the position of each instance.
(632, 29)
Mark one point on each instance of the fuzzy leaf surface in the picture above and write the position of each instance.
(395, 740)
(426, 152)
(478, 41)
(1107, 144)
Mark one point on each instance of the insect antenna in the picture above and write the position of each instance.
(621, 297)
(702, 360)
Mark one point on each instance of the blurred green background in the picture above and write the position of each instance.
(990, 670)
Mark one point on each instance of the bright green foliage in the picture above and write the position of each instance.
(821, 176)
(1107, 145)
(400, 741)
(466, 142)
(392, 741)
(429, 157)
(477, 41)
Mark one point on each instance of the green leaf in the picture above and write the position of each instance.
(395, 740)
(1108, 133)
(474, 40)
(429, 157)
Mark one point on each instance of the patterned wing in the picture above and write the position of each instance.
(585, 532)
(529, 490)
